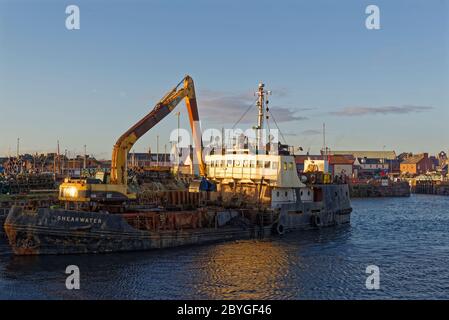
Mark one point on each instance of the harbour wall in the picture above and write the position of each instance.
(374, 189)
(431, 187)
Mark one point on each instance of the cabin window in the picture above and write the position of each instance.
(246, 163)
(267, 164)
(253, 164)
(274, 165)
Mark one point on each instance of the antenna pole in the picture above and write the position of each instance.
(85, 157)
(260, 119)
(324, 138)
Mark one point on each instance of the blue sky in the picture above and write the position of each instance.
(372, 88)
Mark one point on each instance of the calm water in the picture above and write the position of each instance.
(408, 238)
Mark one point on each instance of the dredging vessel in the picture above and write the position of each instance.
(242, 193)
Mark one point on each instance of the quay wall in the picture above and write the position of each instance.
(431, 187)
(374, 189)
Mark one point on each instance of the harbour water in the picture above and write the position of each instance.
(407, 238)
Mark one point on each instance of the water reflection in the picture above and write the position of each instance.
(244, 270)
(406, 237)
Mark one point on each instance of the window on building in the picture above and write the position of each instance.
(274, 165)
(229, 163)
(290, 165)
(259, 164)
(285, 166)
(253, 164)
(267, 164)
(246, 163)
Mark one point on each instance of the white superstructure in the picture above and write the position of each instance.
(263, 174)
(274, 170)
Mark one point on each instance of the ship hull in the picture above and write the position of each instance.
(334, 209)
(49, 231)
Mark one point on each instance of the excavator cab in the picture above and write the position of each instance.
(103, 176)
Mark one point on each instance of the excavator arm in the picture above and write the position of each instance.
(116, 191)
(184, 90)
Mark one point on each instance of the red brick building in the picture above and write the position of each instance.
(417, 164)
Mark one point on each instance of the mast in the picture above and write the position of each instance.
(260, 138)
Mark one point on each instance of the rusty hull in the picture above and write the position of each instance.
(58, 231)
(47, 231)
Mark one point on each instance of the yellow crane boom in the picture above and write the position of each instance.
(160, 111)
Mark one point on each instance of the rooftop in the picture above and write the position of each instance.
(389, 155)
(333, 159)
(413, 159)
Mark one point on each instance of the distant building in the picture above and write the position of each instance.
(387, 155)
(442, 159)
(435, 162)
(341, 165)
(417, 164)
(404, 155)
(372, 163)
(367, 168)
(145, 159)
